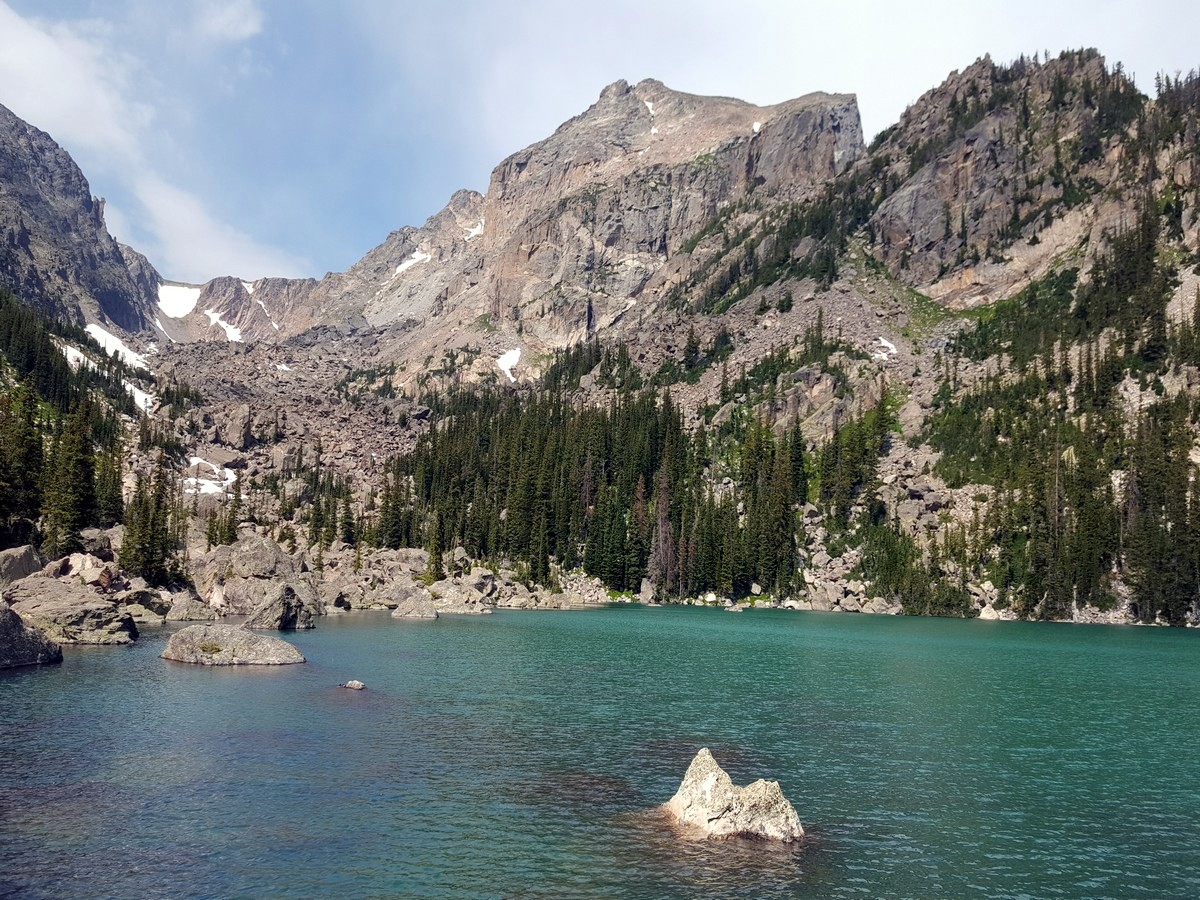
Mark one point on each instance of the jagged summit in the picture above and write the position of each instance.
(55, 250)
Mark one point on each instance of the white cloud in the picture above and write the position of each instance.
(72, 81)
(232, 21)
(67, 81)
(193, 246)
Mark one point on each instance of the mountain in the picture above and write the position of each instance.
(573, 230)
(55, 251)
(701, 347)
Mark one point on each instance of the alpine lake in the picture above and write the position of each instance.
(523, 754)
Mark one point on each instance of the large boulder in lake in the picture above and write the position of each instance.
(229, 645)
(23, 645)
(285, 611)
(708, 800)
(70, 612)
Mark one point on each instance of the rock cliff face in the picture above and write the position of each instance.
(55, 251)
(573, 232)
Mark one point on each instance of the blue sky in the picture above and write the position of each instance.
(287, 137)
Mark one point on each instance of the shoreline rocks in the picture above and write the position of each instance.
(229, 645)
(21, 644)
(69, 612)
(709, 801)
(285, 611)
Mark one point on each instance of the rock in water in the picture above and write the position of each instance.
(283, 612)
(22, 644)
(354, 685)
(708, 799)
(229, 645)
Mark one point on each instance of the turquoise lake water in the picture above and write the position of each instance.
(520, 754)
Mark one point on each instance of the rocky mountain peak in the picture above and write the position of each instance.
(55, 250)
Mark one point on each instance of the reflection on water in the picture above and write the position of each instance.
(526, 755)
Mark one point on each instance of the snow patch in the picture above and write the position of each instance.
(177, 300)
(143, 400)
(113, 344)
(474, 232)
(219, 481)
(887, 345)
(283, 367)
(268, 315)
(232, 332)
(506, 361)
(76, 358)
(158, 324)
(417, 257)
(649, 106)
(757, 127)
(249, 287)
(654, 129)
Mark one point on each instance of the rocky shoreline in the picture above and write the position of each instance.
(86, 598)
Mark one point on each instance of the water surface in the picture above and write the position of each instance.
(518, 755)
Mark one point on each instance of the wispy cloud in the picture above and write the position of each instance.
(73, 81)
(187, 232)
(233, 21)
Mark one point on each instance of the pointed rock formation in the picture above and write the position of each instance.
(707, 799)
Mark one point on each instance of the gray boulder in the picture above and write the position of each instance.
(23, 645)
(416, 605)
(18, 563)
(70, 612)
(236, 579)
(229, 645)
(187, 607)
(708, 800)
(285, 611)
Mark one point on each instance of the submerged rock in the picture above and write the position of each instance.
(707, 799)
(229, 645)
(23, 645)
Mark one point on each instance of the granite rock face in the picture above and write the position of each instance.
(239, 578)
(22, 644)
(229, 645)
(285, 611)
(709, 801)
(18, 563)
(57, 253)
(69, 612)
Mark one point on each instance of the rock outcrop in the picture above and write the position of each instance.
(55, 250)
(709, 801)
(229, 645)
(70, 612)
(237, 579)
(23, 645)
(18, 563)
(285, 611)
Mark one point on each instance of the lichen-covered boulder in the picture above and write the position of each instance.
(23, 645)
(229, 645)
(708, 800)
